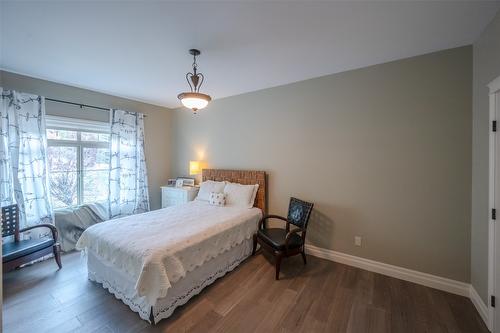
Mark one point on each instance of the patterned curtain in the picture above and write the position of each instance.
(23, 158)
(128, 180)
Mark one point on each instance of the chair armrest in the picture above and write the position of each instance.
(289, 235)
(52, 228)
(270, 217)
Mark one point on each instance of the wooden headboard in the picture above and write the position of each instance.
(244, 177)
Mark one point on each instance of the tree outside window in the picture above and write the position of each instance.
(78, 166)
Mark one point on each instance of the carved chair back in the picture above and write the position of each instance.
(10, 221)
(299, 212)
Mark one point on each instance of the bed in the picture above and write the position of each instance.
(156, 261)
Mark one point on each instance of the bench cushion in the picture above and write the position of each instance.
(276, 238)
(14, 250)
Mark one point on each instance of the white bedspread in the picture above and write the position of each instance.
(158, 248)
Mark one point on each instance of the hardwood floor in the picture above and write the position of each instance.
(320, 297)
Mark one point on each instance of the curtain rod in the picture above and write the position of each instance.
(80, 105)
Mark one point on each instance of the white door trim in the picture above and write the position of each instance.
(494, 87)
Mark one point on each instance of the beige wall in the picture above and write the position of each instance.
(157, 123)
(486, 69)
(384, 152)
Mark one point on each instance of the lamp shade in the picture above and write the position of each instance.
(194, 168)
(193, 100)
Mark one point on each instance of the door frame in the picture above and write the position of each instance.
(494, 88)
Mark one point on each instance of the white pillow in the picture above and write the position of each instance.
(256, 188)
(217, 199)
(240, 195)
(209, 186)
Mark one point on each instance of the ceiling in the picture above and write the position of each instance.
(139, 50)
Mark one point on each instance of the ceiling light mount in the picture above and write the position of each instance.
(194, 52)
(194, 100)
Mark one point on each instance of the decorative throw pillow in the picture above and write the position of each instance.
(217, 199)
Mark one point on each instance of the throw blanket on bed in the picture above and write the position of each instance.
(71, 222)
(158, 248)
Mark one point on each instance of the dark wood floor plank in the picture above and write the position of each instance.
(188, 317)
(223, 293)
(363, 288)
(205, 324)
(277, 310)
(340, 310)
(252, 304)
(295, 318)
(46, 322)
(403, 309)
(441, 310)
(466, 317)
(317, 316)
(367, 318)
(381, 292)
(321, 296)
(29, 308)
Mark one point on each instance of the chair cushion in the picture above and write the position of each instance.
(14, 250)
(276, 238)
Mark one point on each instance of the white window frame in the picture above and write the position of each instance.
(78, 125)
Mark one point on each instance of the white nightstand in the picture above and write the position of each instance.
(172, 196)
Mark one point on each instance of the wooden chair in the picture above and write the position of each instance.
(19, 252)
(285, 242)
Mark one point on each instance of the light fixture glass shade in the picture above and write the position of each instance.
(194, 100)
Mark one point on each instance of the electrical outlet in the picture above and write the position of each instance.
(357, 240)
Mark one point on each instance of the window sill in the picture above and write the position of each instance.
(104, 203)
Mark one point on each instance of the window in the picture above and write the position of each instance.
(78, 156)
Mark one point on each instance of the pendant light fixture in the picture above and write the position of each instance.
(194, 100)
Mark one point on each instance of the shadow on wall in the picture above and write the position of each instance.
(320, 229)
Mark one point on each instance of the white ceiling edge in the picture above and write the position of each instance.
(246, 46)
(69, 84)
(180, 107)
(354, 68)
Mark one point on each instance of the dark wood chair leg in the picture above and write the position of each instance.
(57, 255)
(278, 265)
(152, 317)
(304, 256)
(254, 244)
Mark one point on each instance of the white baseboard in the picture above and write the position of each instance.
(481, 307)
(425, 279)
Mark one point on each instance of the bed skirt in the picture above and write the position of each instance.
(181, 291)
